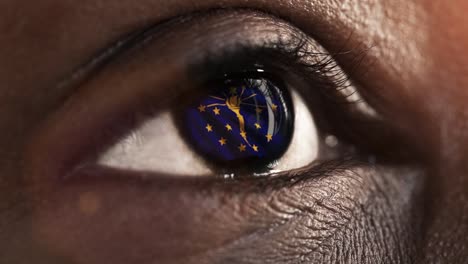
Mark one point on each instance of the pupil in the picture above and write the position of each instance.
(240, 123)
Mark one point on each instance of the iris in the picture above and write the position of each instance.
(240, 122)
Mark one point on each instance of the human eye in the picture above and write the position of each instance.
(231, 128)
(242, 124)
(267, 101)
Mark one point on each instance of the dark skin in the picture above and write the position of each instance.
(411, 211)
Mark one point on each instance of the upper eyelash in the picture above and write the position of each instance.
(295, 54)
(342, 82)
(296, 50)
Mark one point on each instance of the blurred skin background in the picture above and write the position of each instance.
(65, 63)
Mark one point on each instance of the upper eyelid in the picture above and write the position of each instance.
(83, 71)
(140, 58)
(135, 38)
(149, 34)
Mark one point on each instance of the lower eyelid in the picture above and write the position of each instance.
(156, 213)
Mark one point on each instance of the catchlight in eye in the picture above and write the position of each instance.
(240, 122)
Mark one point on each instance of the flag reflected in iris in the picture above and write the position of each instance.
(242, 121)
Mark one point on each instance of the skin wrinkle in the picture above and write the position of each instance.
(358, 211)
(307, 245)
(376, 251)
(255, 200)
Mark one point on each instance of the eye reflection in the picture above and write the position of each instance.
(246, 122)
(238, 125)
(145, 126)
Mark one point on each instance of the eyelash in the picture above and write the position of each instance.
(283, 59)
(365, 135)
(326, 82)
(323, 90)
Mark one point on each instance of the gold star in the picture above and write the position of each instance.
(274, 107)
(233, 90)
(257, 125)
(255, 148)
(228, 127)
(243, 134)
(222, 141)
(269, 137)
(242, 148)
(209, 128)
(201, 108)
(216, 110)
(258, 110)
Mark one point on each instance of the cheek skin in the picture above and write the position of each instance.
(229, 223)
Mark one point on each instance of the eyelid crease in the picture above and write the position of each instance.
(144, 50)
(128, 42)
(295, 52)
(141, 36)
(97, 62)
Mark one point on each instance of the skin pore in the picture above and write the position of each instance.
(415, 77)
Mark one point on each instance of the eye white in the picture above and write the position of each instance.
(304, 145)
(157, 146)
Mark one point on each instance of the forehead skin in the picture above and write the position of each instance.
(420, 71)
